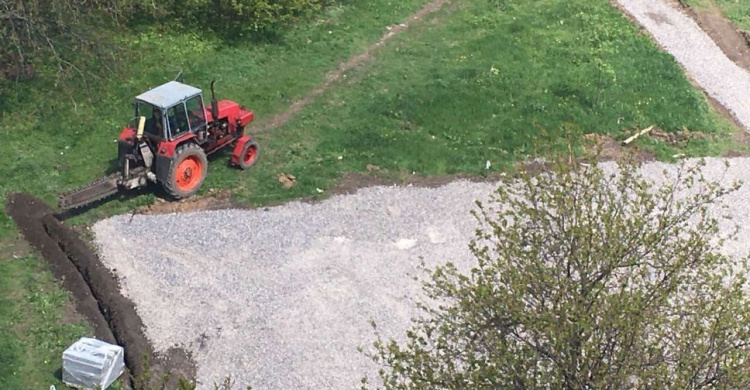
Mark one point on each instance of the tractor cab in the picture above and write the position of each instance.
(171, 111)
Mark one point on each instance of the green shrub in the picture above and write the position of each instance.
(228, 18)
(585, 280)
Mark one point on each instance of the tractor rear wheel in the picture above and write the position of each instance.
(187, 172)
(248, 155)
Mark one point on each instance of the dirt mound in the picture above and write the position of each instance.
(95, 291)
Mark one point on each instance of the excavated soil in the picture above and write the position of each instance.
(32, 219)
(214, 200)
(95, 291)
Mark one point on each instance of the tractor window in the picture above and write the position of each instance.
(154, 120)
(177, 118)
(195, 111)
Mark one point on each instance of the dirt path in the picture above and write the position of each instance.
(721, 78)
(353, 62)
(723, 32)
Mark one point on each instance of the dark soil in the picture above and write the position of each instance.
(95, 291)
(351, 182)
(604, 148)
(609, 150)
(214, 200)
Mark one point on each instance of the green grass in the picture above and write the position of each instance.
(488, 82)
(485, 80)
(737, 11)
(34, 333)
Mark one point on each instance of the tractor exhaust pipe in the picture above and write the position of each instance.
(214, 103)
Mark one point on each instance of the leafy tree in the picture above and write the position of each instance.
(585, 279)
(35, 31)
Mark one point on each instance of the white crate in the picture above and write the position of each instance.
(92, 364)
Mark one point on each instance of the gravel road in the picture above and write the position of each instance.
(679, 35)
(281, 298)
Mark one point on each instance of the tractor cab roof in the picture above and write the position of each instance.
(169, 94)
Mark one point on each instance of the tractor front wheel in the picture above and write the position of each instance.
(248, 154)
(187, 172)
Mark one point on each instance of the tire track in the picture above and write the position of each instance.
(332, 77)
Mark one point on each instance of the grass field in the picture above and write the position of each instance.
(481, 80)
(482, 85)
(73, 130)
(737, 11)
(34, 332)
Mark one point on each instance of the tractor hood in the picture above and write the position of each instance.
(232, 112)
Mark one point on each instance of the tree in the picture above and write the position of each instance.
(63, 35)
(33, 32)
(585, 279)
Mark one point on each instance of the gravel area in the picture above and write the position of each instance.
(679, 35)
(281, 298)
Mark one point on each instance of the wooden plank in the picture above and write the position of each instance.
(638, 134)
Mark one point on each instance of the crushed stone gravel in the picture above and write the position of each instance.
(281, 298)
(680, 36)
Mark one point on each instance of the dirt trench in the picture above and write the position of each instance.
(95, 291)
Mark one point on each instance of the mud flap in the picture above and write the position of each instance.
(162, 166)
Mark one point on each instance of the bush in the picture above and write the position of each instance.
(585, 280)
(64, 34)
(34, 32)
(229, 17)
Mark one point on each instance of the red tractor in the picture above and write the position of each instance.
(168, 143)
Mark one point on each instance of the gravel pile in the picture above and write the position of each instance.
(281, 298)
(679, 35)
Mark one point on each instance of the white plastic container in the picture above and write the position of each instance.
(92, 364)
